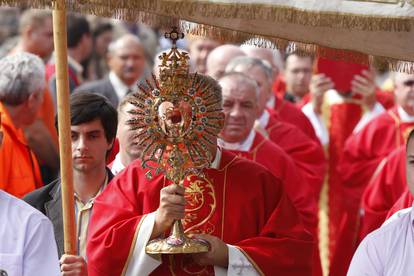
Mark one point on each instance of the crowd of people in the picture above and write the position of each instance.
(307, 178)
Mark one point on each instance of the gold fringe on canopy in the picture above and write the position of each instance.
(125, 9)
(158, 13)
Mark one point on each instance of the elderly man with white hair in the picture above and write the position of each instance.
(307, 154)
(27, 238)
(22, 83)
(127, 63)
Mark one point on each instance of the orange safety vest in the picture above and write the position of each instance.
(19, 170)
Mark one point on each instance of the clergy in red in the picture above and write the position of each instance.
(240, 106)
(363, 153)
(406, 199)
(305, 152)
(238, 204)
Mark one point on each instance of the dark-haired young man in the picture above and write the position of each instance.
(79, 42)
(93, 130)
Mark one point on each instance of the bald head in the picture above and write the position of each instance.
(126, 58)
(219, 58)
(268, 55)
(200, 48)
(36, 30)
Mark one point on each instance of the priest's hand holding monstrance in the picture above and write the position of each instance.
(177, 122)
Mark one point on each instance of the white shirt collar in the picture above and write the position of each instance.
(216, 163)
(271, 103)
(121, 89)
(117, 165)
(243, 146)
(264, 119)
(404, 116)
(76, 65)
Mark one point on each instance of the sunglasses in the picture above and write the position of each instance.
(408, 83)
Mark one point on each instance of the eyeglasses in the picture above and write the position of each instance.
(408, 83)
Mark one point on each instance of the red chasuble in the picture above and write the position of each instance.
(281, 165)
(241, 203)
(364, 151)
(307, 155)
(362, 155)
(297, 188)
(290, 113)
(405, 201)
(385, 188)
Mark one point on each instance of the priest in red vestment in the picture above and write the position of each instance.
(238, 206)
(306, 153)
(334, 117)
(385, 187)
(240, 107)
(363, 153)
(406, 199)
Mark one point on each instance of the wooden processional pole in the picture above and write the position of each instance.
(63, 111)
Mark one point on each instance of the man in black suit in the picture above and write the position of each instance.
(93, 129)
(126, 61)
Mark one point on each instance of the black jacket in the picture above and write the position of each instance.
(48, 200)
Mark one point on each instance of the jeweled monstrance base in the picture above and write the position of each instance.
(177, 243)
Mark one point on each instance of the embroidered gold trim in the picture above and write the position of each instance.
(131, 249)
(224, 198)
(324, 221)
(256, 148)
(213, 205)
(228, 164)
(378, 170)
(324, 226)
(397, 126)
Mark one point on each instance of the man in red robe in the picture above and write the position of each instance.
(305, 152)
(240, 107)
(238, 206)
(384, 189)
(363, 153)
(406, 199)
(334, 118)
